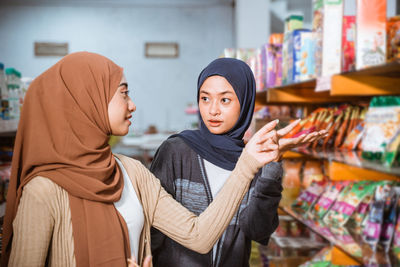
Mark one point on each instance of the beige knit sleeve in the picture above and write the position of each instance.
(199, 233)
(33, 227)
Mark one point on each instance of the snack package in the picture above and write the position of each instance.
(317, 27)
(292, 23)
(373, 228)
(312, 171)
(348, 46)
(274, 60)
(393, 38)
(308, 197)
(347, 203)
(290, 181)
(258, 72)
(346, 240)
(382, 123)
(389, 220)
(305, 61)
(371, 33)
(327, 199)
(332, 37)
(297, 41)
(354, 137)
(396, 235)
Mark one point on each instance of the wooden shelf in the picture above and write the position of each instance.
(8, 128)
(345, 87)
(349, 165)
(366, 254)
(377, 80)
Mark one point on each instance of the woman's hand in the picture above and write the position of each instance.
(286, 144)
(264, 146)
(146, 263)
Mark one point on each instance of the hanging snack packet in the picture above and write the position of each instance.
(357, 221)
(308, 197)
(396, 235)
(354, 137)
(327, 199)
(382, 123)
(344, 207)
(372, 230)
(389, 219)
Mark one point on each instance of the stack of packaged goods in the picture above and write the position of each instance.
(336, 43)
(373, 131)
(12, 95)
(352, 213)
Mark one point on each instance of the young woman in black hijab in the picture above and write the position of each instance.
(194, 165)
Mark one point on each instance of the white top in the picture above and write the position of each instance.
(131, 210)
(217, 176)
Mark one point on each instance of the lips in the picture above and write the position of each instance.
(214, 123)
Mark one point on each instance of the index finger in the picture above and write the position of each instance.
(282, 132)
(266, 128)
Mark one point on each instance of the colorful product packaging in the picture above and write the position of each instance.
(274, 60)
(393, 38)
(332, 37)
(382, 124)
(327, 36)
(373, 228)
(298, 51)
(327, 199)
(348, 43)
(348, 202)
(371, 33)
(292, 23)
(308, 197)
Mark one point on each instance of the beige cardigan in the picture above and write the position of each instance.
(43, 228)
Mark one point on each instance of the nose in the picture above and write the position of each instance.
(131, 106)
(214, 108)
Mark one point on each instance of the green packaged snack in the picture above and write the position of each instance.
(308, 197)
(382, 125)
(325, 202)
(344, 207)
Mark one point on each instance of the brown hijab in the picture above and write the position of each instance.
(63, 135)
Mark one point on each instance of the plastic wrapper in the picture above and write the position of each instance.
(393, 38)
(312, 171)
(348, 202)
(371, 33)
(308, 197)
(382, 124)
(348, 43)
(325, 202)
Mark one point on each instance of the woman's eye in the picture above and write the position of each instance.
(226, 100)
(204, 98)
(126, 93)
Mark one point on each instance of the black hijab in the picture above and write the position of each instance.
(224, 150)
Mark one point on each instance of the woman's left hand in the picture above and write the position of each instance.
(286, 144)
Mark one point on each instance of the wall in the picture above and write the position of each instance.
(161, 88)
(252, 18)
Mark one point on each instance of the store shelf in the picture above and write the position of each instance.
(8, 128)
(345, 87)
(378, 80)
(350, 246)
(350, 166)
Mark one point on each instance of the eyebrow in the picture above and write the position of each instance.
(124, 84)
(221, 93)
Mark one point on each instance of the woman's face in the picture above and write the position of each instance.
(120, 108)
(218, 104)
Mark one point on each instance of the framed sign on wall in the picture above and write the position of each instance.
(161, 50)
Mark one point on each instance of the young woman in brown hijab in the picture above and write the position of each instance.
(65, 181)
